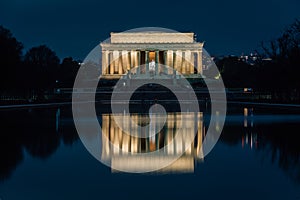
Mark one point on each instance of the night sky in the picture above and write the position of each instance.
(73, 28)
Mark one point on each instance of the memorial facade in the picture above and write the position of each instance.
(136, 53)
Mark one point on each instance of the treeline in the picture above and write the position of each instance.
(276, 66)
(37, 71)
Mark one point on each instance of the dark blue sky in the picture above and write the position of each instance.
(73, 28)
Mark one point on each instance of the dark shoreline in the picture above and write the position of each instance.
(148, 95)
(107, 102)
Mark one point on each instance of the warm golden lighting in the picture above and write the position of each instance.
(123, 144)
(125, 51)
(151, 55)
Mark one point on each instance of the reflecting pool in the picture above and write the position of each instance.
(256, 157)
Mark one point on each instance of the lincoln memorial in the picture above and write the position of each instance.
(167, 54)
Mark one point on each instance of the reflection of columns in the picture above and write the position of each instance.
(116, 142)
(134, 144)
(199, 150)
(170, 128)
(125, 143)
(157, 135)
(105, 62)
(156, 62)
(120, 137)
(105, 137)
(178, 140)
(147, 145)
(199, 62)
(190, 130)
(111, 65)
(147, 62)
(157, 140)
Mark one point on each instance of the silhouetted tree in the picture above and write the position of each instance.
(10, 56)
(67, 72)
(283, 71)
(42, 66)
(236, 73)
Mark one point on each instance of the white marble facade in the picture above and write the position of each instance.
(126, 51)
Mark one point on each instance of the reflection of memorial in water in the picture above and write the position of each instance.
(163, 140)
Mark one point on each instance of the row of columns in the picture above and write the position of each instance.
(119, 62)
(124, 143)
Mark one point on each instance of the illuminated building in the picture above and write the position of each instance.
(128, 50)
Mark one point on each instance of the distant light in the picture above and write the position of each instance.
(267, 59)
(248, 89)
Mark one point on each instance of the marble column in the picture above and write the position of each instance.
(116, 56)
(192, 63)
(128, 60)
(199, 62)
(178, 62)
(138, 58)
(132, 60)
(111, 61)
(170, 62)
(125, 62)
(167, 61)
(156, 62)
(120, 63)
(174, 62)
(184, 63)
(147, 62)
(188, 63)
(165, 69)
(105, 62)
